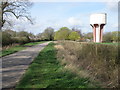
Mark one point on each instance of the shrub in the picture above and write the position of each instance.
(6, 39)
(21, 40)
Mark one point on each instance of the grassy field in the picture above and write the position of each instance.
(18, 48)
(47, 72)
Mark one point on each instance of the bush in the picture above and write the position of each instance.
(6, 39)
(21, 40)
(99, 60)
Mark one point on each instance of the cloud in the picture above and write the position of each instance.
(73, 0)
(112, 6)
(74, 21)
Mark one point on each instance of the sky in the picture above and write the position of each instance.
(68, 14)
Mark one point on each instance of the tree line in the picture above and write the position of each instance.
(49, 34)
(107, 36)
(64, 33)
(22, 37)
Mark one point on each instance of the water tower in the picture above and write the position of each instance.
(97, 21)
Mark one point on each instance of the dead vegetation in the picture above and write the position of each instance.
(8, 46)
(98, 62)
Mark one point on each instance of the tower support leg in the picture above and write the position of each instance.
(94, 34)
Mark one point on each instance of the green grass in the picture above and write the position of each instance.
(11, 50)
(109, 43)
(47, 72)
(18, 48)
(33, 43)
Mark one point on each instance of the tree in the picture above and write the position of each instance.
(6, 38)
(23, 34)
(48, 33)
(1, 15)
(78, 31)
(107, 37)
(41, 36)
(74, 36)
(19, 9)
(88, 36)
(11, 32)
(62, 34)
(115, 36)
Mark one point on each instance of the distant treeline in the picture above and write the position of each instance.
(64, 33)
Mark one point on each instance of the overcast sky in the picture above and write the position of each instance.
(68, 14)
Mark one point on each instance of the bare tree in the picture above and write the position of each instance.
(16, 8)
(1, 17)
(78, 30)
(49, 33)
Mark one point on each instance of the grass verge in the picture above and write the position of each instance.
(97, 61)
(18, 48)
(109, 43)
(47, 72)
(33, 43)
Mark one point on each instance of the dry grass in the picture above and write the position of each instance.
(9, 46)
(96, 61)
(59, 47)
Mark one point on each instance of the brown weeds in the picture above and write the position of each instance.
(96, 61)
